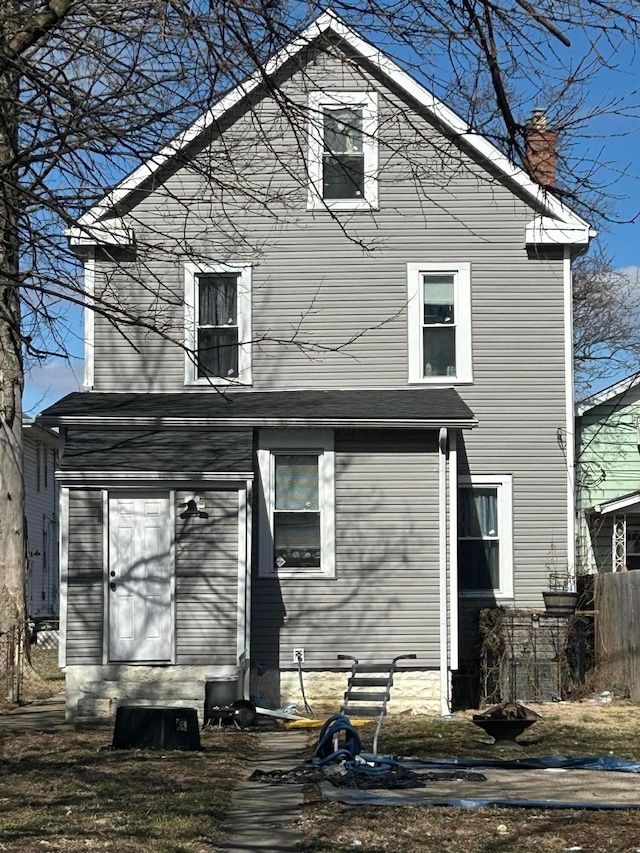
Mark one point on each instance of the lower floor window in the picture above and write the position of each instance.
(297, 502)
(484, 536)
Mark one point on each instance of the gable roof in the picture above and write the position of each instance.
(608, 394)
(559, 226)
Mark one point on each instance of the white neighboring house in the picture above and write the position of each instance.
(41, 448)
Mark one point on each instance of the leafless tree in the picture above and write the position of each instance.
(90, 89)
(606, 339)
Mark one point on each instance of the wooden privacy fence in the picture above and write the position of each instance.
(617, 632)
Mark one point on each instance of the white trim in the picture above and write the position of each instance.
(247, 589)
(106, 616)
(570, 439)
(504, 485)
(546, 231)
(462, 296)
(454, 650)
(318, 102)
(441, 113)
(63, 562)
(265, 422)
(173, 578)
(134, 478)
(241, 604)
(89, 322)
(244, 272)
(623, 502)
(112, 232)
(445, 706)
(607, 394)
(312, 441)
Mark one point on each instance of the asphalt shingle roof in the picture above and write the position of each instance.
(428, 406)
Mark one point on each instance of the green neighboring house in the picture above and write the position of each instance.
(608, 479)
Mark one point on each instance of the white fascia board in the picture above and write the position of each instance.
(445, 116)
(624, 502)
(607, 394)
(112, 232)
(545, 231)
(289, 423)
(137, 477)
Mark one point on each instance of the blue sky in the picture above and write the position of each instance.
(612, 140)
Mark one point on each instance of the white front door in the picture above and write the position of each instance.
(139, 582)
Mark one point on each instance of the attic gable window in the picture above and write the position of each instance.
(343, 150)
(439, 317)
(218, 324)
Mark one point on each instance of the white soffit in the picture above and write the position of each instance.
(560, 227)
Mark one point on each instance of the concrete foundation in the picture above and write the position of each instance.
(413, 690)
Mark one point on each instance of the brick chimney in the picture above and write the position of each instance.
(541, 149)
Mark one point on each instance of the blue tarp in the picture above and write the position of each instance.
(563, 762)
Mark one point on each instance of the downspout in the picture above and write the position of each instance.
(442, 527)
(570, 448)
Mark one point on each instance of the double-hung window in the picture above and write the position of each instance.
(343, 150)
(485, 550)
(218, 324)
(439, 315)
(297, 503)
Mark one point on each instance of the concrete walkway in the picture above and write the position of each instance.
(260, 813)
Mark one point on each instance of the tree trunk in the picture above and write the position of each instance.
(12, 524)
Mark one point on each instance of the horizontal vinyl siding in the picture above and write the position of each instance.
(158, 450)
(338, 283)
(85, 578)
(384, 599)
(207, 581)
(329, 293)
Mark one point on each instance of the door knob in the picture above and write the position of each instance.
(112, 586)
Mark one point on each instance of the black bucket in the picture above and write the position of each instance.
(219, 693)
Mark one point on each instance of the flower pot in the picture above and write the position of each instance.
(560, 602)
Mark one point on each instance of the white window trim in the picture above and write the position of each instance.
(415, 303)
(318, 441)
(318, 101)
(504, 485)
(191, 272)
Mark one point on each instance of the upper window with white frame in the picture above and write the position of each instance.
(343, 150)
(485, 541)
(439, 315)
(218, 324)
(297, 506)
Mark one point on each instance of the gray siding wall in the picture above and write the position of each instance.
(207, 581)
(85, 577)
(384, 599)
(314, 284)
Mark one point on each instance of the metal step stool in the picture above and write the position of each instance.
(359, 700)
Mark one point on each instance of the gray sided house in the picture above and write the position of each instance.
(40, 453)
(362, 433)
(608, 478)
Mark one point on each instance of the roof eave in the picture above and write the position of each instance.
(265, 422)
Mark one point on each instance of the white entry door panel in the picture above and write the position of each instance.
(139, 583)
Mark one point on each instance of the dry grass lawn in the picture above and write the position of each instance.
(575, 729)
(66, 792)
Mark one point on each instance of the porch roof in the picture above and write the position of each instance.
(404, 408)
(628, 501)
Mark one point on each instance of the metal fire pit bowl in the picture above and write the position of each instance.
(503, 731)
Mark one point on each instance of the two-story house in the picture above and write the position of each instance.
(355, 429)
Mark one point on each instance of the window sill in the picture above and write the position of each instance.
(215, 382)
(329, 205)
(298, 574)
(441, 380)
